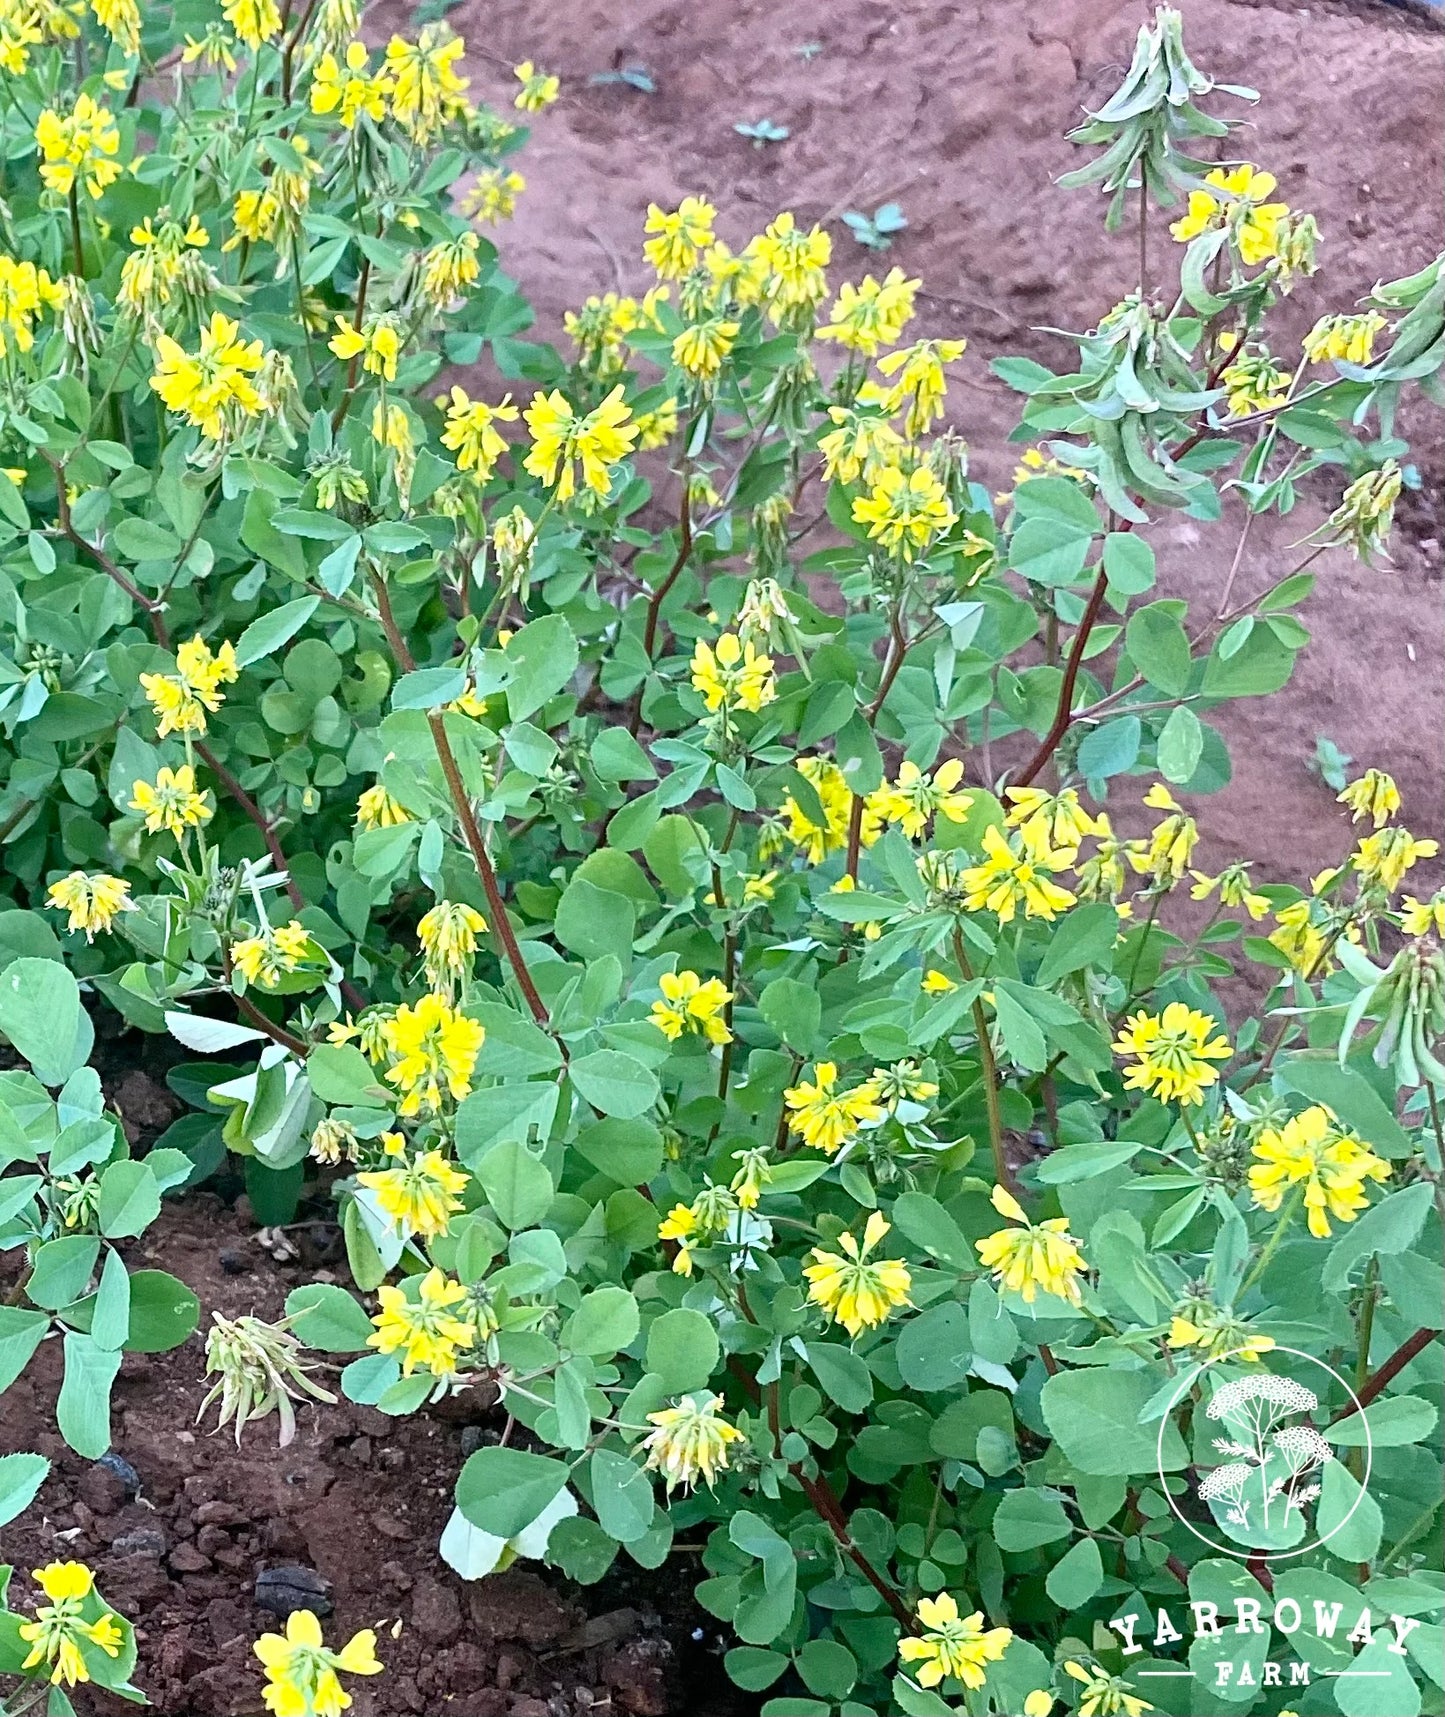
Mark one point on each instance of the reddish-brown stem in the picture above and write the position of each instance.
(893, 662)
(1391, 1369)
(462, 805)
(1063, 712)
(148, 604)
(343, 405)
(660, 595)
(277, 1033)
(825, 1502)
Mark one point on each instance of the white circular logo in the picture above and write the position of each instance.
(1267, 1461)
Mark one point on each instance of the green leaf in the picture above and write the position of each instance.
(614, 1083)
(62, 1270)
(110, 1315)
(1076, 1576)
(1388, 1423)
(794, 1011)
(1159, 648)
(504, 1490)
(934, 1350)
(82, 1409)
(130, 1200)
(594, 922)
(339, 1073)
(428, 688)
(582, 1549)
(1049, 551)
(1128, 563)
(40, 1013)
(1096, 1417)
(1023, 1038)
(21, 1476)
(1083, 937)
(270, 632)
(629, 1152)
(328, 1318)
(844, 1376)
(621, 1495)
(1347, 1518)
(1392, 1225)
(1180, 745)
(606, 1320)
(1112, 748)
(21, 1332)
(541, 658)
(683, 1350)
(754, 1668)
(1025, 1519)
(163, 1312)
(1083, 1162)
(828, 1669)
(1379, 1683)
(925, 1222)
(1348, 1092)
(616, 756)
(518, 1186)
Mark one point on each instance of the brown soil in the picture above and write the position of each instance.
(358, 1499)
(958, 112)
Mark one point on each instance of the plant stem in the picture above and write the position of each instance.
(1063, 711)
(660, 595)
(1389, 1371)
(989, 1069)
(1285, 1218)
(1366, 1328)
(76, 243)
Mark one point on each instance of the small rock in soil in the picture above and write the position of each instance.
(142, 1541)
(187, 1559)
(284, 1590)
(435, 1612)
(280, 1538)
(395, 1577)
(638, 1674)
(390, 1527)
(220, 1513)
(234, 1261)
(472, 1439)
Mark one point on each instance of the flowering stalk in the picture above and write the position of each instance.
(1003, 1173)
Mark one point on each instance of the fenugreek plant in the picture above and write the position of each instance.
(665, 853)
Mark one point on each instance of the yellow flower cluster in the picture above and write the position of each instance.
(826, 1118)
(471, 434)
(904, 511)
(416, 82)
(74, 1618)
(690, 1441)
(181, 700)
(26, 293)
(1343, 339)
(1032, 1256)
(1236, 201)
(539, 89)
(425, 1330)
(1173, 1053)
(951, 1644)
(418, 1194)
(690, 1005)
(493, 195)
(854, 1290)
(915, 798)
(1255, 382)
(376, 809)
(564, 440)
(78, 147)
(301, 1672)
(1332, 1166)
(732, 675)
(172, 803)
(433, 1046)
(1015, 876)
(267, 957)
(867, 317)
(91, 901)
(816, 840)
(448, 935)
(1107, 1695)
(211, 387)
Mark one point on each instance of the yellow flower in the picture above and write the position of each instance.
(26, 293)
(493, 196)
(863, 444)
(1221, 1335)
(427, 92)
(376, 809)
(851, 1290)
(538, 90)
(1254, 225)
(825, 1118)
(81, 146)
(264, 958)
(425, 1329)
(656, 428)
(349, 87)
(1010, 878)
(921, 384)
(600, 328)
(1107, 1695)
(1343, 339)
(1424, 917)
(754, 1174)
(377, 343)
(1173, 1051)
(816, 840)
(1234, 890)
(172, 803)
(433, 1045)
(448, 935)
(903, 512)
(447, 269)
(699, 350)
(793, 263)
(120, 19)
(951, 1644)
(1038, 1703)
(469, 431)
(1036, 1255)
(872, 314)
(903, 1082)
(214, 48)
(915, 798)
(560, 439)
(1171, 842)
(1312, 1151)
(1385, 857)
(690, 1005)
(690, 1441)
(301, 1673)
(681, 236)
(55, 1636)
(1374, 795)
(936, 983)
(1052, 822)
(1299, 938)
(418, 1196)
(254, 21)
(91, 901)
(1254, 382)
(213, 384)
(732, 675)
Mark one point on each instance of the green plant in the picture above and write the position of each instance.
(875, 231)
(712, 985)
(1330, 763)
(762, 131)
(73, 1637)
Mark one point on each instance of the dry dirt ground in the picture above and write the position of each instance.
(958, 112)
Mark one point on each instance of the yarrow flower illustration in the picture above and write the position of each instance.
(1267, 1462)
(301, 1672)
(690, 1442)
(951, 1644)
(75, 1618)
(854, 1290)
(1032, 1256)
